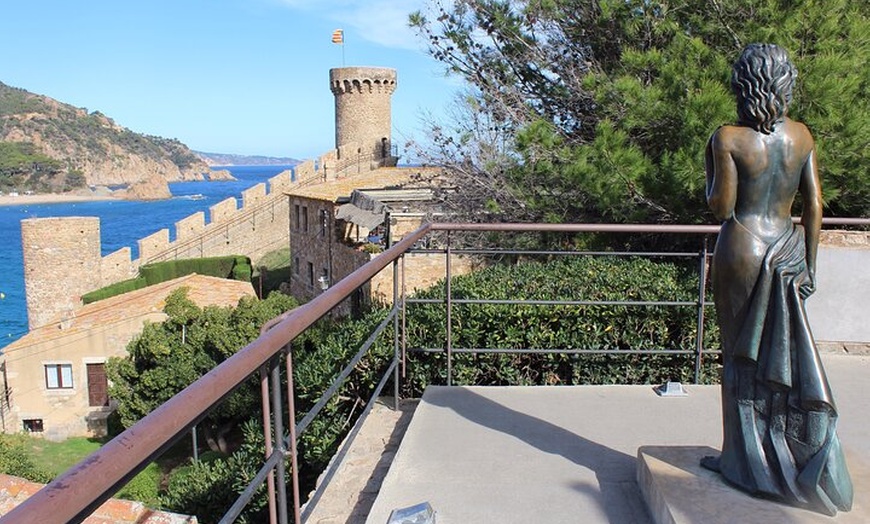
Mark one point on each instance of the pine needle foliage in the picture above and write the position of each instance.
(600, 110)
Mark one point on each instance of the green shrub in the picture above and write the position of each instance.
(15, 459)
(242, 272)
(572, 327)
(118, 288)
(203, 489)
(221, 267)
(237, 267)
(144, 486)
(318, 357)
(208, 487)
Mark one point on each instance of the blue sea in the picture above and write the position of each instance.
(122, 223)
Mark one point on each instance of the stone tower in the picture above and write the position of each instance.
(362, 108)
(61, 263)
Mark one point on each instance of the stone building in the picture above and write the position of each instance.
(338, 226)
(54, 378)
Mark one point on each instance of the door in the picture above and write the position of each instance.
(98, 385)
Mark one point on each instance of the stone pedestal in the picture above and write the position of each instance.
(677, 490)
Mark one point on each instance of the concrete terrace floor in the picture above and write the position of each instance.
(553, 454)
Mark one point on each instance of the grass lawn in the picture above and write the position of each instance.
(277, 270)
(57, 457)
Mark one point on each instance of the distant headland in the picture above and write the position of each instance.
(229, 159)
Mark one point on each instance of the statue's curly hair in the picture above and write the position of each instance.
(762, 80)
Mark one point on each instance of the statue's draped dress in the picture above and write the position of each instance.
(779, 416)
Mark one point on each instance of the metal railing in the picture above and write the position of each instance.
(76, 493)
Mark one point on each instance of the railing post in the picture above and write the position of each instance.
(267, 434)
(294, 452)
(278, 423)
(448, 291)
(702, 293)
(404, 322)
(396, 334)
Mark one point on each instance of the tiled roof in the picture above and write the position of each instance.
(202, 290)
(377, 179)
(15, 490)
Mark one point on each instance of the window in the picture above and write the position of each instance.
(311, 274)
(296, 265)
(32, 425)
(305, 218)
(58, 376)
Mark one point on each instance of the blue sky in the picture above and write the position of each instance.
(228, 76)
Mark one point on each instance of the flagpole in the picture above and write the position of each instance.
(338, 38)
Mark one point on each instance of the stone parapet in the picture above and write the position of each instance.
(840, 238)
(280, 182)
(153, 244)
(253, 196)
(223, 210)
(189, 227)
(117, 266)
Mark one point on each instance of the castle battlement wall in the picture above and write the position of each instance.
(62, 256)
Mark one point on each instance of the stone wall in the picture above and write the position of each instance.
(421, 271)
(841, 238)
(837, 310)
(61, 263)
(117, 266)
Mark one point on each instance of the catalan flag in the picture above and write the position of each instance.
(338, 36)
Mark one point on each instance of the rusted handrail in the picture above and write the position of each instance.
(75, 494)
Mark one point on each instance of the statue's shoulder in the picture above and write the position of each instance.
(795, 128)
(800, 136)
(728, 136)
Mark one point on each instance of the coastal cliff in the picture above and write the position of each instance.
(49, 146)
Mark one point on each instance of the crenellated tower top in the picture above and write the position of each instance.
(363, 108)
(362, 80)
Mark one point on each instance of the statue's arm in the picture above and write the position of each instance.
(721, 176)
(811, 218)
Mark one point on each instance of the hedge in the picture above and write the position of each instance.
(118, 288)
(236, 267)
(222, 267)
(573, 327)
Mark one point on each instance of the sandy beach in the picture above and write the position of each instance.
(49, 198)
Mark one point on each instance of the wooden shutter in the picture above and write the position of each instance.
(98, 385)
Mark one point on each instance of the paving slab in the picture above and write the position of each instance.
(567, 454)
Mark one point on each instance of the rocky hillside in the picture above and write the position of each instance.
(49, 146)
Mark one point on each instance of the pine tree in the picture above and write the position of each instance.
(607, 105)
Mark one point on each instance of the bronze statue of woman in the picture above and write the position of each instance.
(779, 417)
